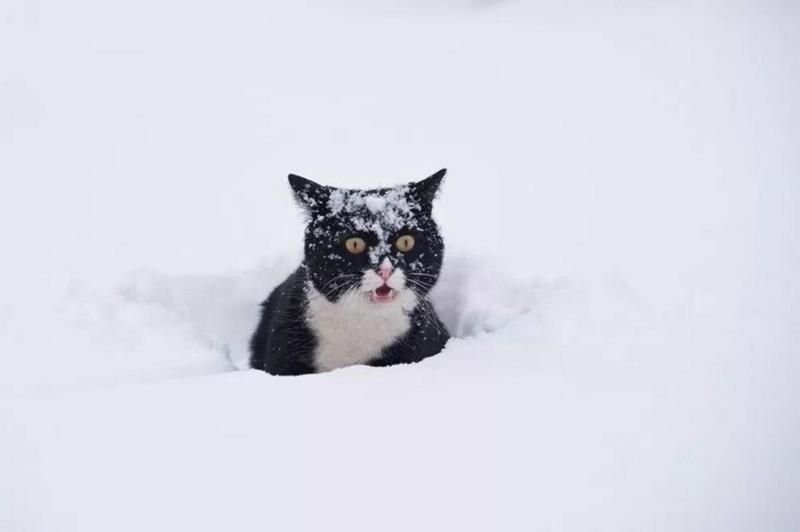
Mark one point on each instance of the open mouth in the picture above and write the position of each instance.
(382, 294)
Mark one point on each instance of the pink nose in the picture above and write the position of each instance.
(385, 270)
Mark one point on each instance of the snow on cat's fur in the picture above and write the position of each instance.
(368, 305)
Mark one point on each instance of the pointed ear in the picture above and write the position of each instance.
(426, 189)
(310, 195)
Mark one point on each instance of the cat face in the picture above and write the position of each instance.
(381, 245)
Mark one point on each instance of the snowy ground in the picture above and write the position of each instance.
(621, 214)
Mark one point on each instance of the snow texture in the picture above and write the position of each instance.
(381, 214)
(620, 278)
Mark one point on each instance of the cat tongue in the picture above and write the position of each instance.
(382, 294)
(383, 291)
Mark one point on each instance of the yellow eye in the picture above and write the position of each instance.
(405, 243)
(355, 245)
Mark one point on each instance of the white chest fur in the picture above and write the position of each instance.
(354, 330)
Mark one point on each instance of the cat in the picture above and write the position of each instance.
(360, 295)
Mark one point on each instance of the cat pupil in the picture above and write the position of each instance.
(355, 245)
(405, 243)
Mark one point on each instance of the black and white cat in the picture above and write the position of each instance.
(361, 294)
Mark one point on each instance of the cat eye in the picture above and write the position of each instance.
(405, 243)
(355, 245)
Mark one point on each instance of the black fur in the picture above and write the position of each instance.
(283, 343)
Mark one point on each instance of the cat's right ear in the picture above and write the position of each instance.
(427, 188)
(310, 195)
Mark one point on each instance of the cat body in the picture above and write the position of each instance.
(361, 294)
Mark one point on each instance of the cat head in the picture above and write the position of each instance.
(380, 244)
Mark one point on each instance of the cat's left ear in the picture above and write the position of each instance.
(426, 189)
(310, 195)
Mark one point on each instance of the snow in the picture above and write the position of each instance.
(621, 221)
(374, 203)
(375, 212)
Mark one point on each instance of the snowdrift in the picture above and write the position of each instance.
(621, 281)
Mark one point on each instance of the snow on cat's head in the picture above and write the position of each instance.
(381, 242)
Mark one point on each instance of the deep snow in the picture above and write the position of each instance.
(621, 274)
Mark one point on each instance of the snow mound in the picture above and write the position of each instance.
(152, 326)
(221, 311)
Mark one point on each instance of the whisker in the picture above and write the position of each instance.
(421, 282)
(422, 274)
(422, 286)
(338, 277)
(338, 287)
